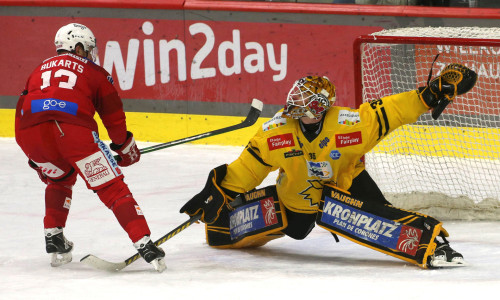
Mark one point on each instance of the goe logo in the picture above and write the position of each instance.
(51, 104)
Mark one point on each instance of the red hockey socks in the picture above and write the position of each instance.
(57, 204)
(119, 199)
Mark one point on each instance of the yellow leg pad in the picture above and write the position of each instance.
(253, 224)
(403, 234)
(252, 241)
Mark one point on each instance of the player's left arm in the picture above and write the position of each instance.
(386, 114)
(109, 106)
(382, 116)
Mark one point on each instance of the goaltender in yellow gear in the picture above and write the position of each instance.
(334, 156)
(318, 148)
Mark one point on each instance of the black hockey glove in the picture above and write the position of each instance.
(455, 79)
(210, 201)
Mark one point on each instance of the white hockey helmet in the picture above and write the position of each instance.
(68, 36)
(310, 96)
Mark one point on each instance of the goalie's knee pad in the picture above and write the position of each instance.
(407, 235)
(258, 220)
(299, 224)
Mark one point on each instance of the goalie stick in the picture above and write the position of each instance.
(253, 115)
(101, 264)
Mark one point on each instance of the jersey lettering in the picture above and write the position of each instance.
(324, 142)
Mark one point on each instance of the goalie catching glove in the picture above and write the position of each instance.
(128, 151)
(210, 201)
(455, 79)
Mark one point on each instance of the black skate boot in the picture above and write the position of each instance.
(445, 256)
(58, 246)
(151, 253)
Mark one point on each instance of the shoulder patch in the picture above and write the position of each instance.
(110, 79)
(275, 122)
(347, 117)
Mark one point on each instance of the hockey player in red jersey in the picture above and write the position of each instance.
(318, 148)
(55, 128)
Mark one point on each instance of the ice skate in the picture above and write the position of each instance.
(445, 256)
(58, 246)
(151, 253)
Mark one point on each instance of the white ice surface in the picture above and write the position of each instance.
(162, 181)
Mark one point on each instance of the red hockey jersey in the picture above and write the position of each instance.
(69, 88)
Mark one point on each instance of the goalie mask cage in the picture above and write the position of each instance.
(447, 168)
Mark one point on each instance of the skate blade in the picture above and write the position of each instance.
(448, 264)
(59, 259)
(159, 265)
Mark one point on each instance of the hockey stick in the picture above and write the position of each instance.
(253, 115)
(101, 264)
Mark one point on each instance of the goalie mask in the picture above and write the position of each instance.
(310, 97)
(68, 36)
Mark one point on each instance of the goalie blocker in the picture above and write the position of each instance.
(406, 235)
(257, 219)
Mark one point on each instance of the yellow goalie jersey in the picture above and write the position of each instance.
(333, 157)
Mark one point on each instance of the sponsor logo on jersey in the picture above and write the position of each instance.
(347, 117)
(274, 123)
(324, 142)
(294, 153)
(82, 59)
(369, 227)
(280, 141)
(110, 79)
(52, 104)
(252, 217)
(335, 154)
(321, 169)
(96, 169)
(67, 203)
(348, 139)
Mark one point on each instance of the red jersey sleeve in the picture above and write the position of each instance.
(109, 106)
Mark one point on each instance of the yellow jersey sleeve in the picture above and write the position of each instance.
(250, 168)
(382, 116)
